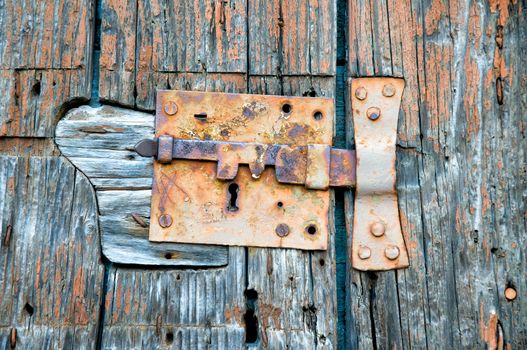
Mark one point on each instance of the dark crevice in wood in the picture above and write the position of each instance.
(250, 317)
(101, 315)
(96, 54)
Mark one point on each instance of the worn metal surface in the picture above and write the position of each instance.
(315, 166)
(253, 209)
(378, 242)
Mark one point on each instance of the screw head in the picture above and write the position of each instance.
(510, 293)
(388, 90)
(282, 230)
(391, 252)
(165, 220)
(361, 93)
(364, 252)
(170, 108)
(373, 113)
(377, 229)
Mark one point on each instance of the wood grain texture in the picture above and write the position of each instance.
(461, 173)
(178, 309)
(100, 143)
(45, 60)
(50, 284)
(142, 41)
(295, 303)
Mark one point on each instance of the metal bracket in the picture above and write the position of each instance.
(377, 242)
(213, 183)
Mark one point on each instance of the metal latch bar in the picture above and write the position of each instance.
(315, 166)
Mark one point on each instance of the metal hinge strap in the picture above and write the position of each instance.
(315, 166)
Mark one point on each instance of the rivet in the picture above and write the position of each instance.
(388, 90)
(170, 108)
(165, 220)
(391, 252)
(361, 93)
(377, 229)
(373, 113)
(510, 293)
(282, 230)
(364, 252)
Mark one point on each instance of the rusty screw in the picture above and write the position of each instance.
(165, 220)
(361, 93)
(373, 113)
(388, 90)
(377, 229)
(170, 108)
(364, 252)
(391, 252)
(510, 293)
(282, 230)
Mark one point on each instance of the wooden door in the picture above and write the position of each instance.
(79, 81)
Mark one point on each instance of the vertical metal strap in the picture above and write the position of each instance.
(378, 242)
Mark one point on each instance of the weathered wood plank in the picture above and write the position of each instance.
(143, 40)
(45, 58)
(51, 279)
(463, 76)
(180, 309)
(100, 141)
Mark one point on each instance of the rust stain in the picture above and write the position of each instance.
(233, 315)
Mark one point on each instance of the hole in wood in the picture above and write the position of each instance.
(322, 262)
(168, 255)
(280, 204)
(250, 319)
(35, 90)
(287, 108)
(202, 117)
(169, 338)
(29, 309)
(311, 229)
(234, 189)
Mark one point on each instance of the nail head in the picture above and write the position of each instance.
(388, 90)
(170, 108)
(373, 113)
(364, 252)
(361, 93)
(377, 229)
(282, 230)
(165, 220)
(391, 252)
(510, 293)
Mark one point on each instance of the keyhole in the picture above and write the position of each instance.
(233, 197)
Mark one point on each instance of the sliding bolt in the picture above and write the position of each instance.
(364, 252)
(165, 220)
(373, 113)
(361, 93)
(377, 229)
(282, 230)
(170, 108)
(391, 252)
(388, 90)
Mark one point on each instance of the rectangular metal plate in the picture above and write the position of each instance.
(265, 213)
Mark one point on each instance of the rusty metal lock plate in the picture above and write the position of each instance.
(190, 204)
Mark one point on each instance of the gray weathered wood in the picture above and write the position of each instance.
(45, 58)
(100, 141)
(460, 174)
(51, 273)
